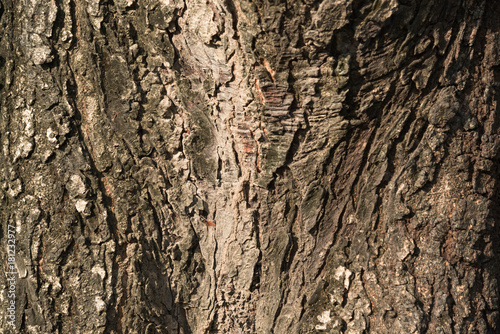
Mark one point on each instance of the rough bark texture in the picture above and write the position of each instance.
(251, 166)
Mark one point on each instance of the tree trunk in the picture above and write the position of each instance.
(250, 166)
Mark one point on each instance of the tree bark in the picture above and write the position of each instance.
(250, 166)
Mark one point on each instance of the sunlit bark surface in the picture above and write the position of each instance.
(250, 166)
